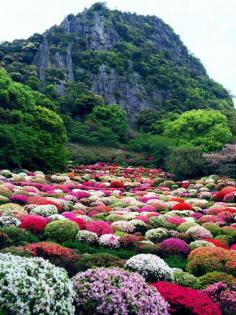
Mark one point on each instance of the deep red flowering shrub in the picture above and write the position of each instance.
(129, 241)
(173, 246)
(99, 227)
(80, 222)
(219, 196)
(206, 259)
(217, 243)
(101, 209)
(56, 254)
(34, 223)
(182, 206)
(233, 247)
(40, 201)
(186, 301)
(117, 184)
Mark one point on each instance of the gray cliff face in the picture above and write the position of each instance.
(95, 30)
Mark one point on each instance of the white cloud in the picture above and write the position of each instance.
(207, 27)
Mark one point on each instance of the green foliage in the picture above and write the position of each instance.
(79, 101)
(60, 231)
(185, 279)
(176, 261)
(31, 135)
(112, 117)
(155, 148)
(17, 236)
(185, 162)
(216, 276)
(90, 249)
(207, 129)
(87, 261)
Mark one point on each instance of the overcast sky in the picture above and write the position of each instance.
(207, 27)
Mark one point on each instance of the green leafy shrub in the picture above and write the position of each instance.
(185, 162)
(87, 261)
(61, 231)
(17, 236)
(176, 261)
(216, 276)
(207, 129)
(213, 228)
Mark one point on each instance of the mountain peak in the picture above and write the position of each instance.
(132, 60)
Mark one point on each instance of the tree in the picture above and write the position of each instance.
(112, 117)
(31, 135)
(207, 129)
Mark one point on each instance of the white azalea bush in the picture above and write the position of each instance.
(200, 243)
(109, 240)
(44, 210)
(9, 221)
(151, 267)
(123, 226)
(157, 235)
(198, 233)
(33, 286)
(87, 237)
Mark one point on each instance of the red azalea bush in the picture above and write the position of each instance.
(187, 301)
(56, 254)
(219, 196)
(99, 227)
(217, 243)
(40, 201)
(129, 241)
(233, 247)
(117, 184)
(34, 223)
(80, 222)
(182, 206)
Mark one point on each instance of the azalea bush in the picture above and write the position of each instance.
(34, 286)
(185, 300)
(61, 231)
(113, 291)
(151, 267)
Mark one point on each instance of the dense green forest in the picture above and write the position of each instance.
(45, 106)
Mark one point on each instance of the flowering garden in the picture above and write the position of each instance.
(111, 240)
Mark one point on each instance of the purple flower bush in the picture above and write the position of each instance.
(224, 296)
(112, 291)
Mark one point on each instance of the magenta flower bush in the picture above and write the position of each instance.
(111, 291)
(174, 246)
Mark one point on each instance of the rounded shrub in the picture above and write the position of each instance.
(206, 259)
(33, 286)
(157, 235)
(87, 261)
(151, 267)
(213, 228)
(113, 291)
(173, 246)
(184, 300)
(185, 279)
(99, 227)
(216, 276)
(61, 231)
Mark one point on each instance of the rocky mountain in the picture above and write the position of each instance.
(135, 61)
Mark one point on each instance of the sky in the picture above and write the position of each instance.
(207, 27)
